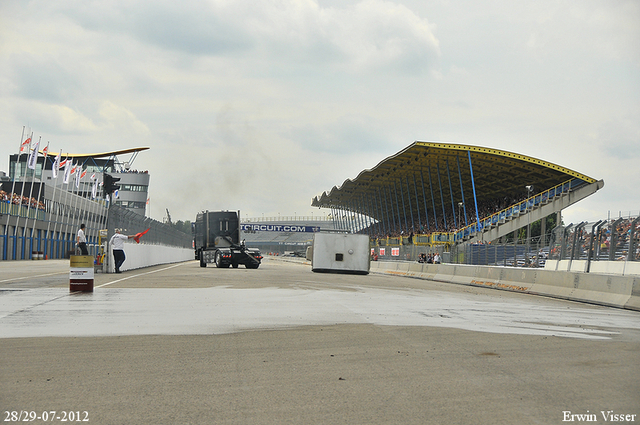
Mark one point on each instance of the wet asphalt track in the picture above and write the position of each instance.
(284, 345)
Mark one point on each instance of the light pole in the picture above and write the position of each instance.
(526, 257)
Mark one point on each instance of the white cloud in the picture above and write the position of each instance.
(262, 105)
(116, 116)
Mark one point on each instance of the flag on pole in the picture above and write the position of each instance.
(84, 173)
(116, 194)
(78, 176)
(94, 190)
(64, 163)
(93, 176)
(33, 158)
(67, 171)
(56, 166)
(45, 150)
(25, 144)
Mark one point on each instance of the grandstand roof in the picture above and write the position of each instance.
(424, 168)
(98, 155)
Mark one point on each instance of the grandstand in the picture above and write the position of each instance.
(40, 213)
(438, 195)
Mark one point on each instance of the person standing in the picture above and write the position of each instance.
(117, 242)
(81, 239)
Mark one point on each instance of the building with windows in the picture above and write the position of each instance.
(133, 185)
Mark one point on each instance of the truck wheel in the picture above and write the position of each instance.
(252, 266)
(202, 262)
(218, 259)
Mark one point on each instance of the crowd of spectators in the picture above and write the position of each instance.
(131, 171)
(449, 223)
(610, 242)
(16, 199)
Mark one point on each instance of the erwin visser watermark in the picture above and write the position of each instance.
(605, 415)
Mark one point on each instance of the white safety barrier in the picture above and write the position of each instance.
(604, 289)
(143, 255)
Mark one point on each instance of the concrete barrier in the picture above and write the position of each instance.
(634, 300)
(144, 255)
(610, 290)
(625, 268)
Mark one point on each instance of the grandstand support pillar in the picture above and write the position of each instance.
(361, 221)
(433, 201)
(526, 255)
(444, 214)
(392, 219)
(397, 205)
(415, 189)
(424, 198)
(464, 205)
(473, 186)
(404, 209)
(385, 211)
(453, 205)
(379, 215)
(410, 206)
(371, 214)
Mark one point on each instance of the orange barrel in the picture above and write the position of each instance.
(81, 273)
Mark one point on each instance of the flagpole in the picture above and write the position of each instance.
(76, 213)
(66, 196)
(22, 187)
(13, 186)
(80, 200)
(44, 166)
(33, 160)
(61, 206)
(96, 206)
(56, 166)
(70, 218)
(15, 233)
(96, 221)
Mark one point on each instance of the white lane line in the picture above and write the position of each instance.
(31, 277)
(141, 274)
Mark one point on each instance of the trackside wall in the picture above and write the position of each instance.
(610, 290)
(145, 255)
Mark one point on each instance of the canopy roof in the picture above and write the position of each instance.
(98, 155)
(428, 174)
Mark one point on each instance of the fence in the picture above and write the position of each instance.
(131, 222)
(29, 233)
(605, 240)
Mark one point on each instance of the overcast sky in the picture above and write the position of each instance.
(262, 105)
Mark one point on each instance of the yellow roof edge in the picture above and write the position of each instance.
(498, 152)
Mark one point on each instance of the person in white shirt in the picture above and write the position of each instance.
(117, 242)
(82, 240)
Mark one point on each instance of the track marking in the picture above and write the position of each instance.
(141, 274)
(31, 277)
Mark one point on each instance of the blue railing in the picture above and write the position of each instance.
(515, 210)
